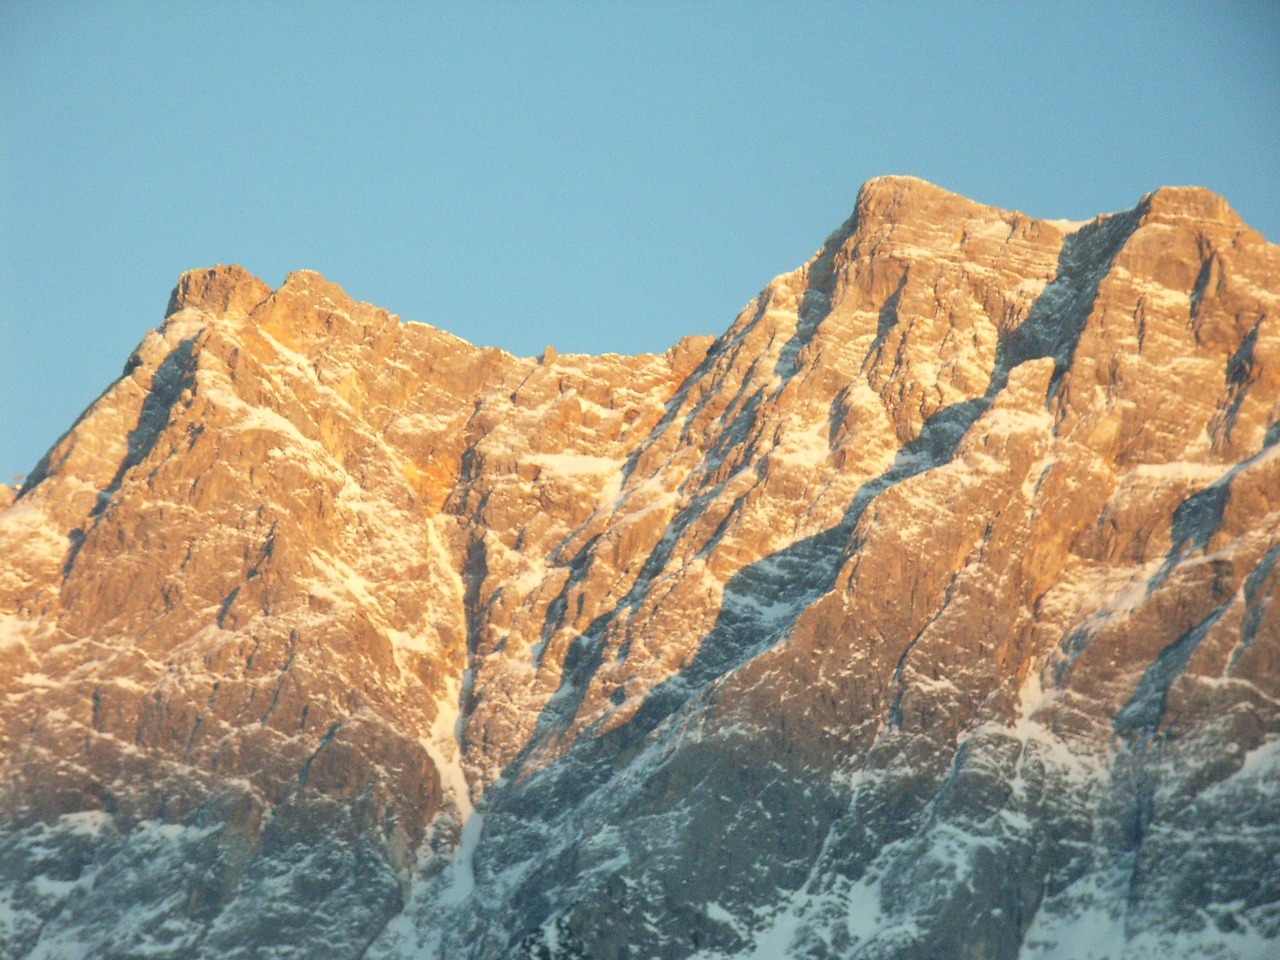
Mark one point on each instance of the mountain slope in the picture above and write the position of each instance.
(930, 610)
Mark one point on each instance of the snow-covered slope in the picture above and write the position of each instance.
(929, 611)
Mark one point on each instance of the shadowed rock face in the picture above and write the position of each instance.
(929, 611)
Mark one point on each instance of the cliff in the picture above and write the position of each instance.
(928, 611)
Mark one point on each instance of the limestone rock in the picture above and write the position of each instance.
(928, 611)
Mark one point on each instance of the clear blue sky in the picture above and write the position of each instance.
(592, 176)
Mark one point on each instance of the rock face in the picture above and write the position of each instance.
(930, 611)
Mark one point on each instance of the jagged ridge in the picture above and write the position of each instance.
(927, 611)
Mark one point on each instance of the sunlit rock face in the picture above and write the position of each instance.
(929, 611)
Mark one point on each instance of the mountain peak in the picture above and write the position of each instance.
(941, 594)
(897, 197)
(903, 185)
(306, 289)
(218, 289)
(1186, 202)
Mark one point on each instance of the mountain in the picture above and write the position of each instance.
(929, 611)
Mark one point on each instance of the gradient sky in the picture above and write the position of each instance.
(595, 177)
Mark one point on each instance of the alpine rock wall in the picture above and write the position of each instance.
(929, 611)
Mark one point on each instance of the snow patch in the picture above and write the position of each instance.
(1261, 761)
(13, 633)
(575, 464)
(86, 823)
(1179, 470)
(460, 875)
(403, 640)
(805, 446)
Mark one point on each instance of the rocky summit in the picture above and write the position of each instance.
(931, 611)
